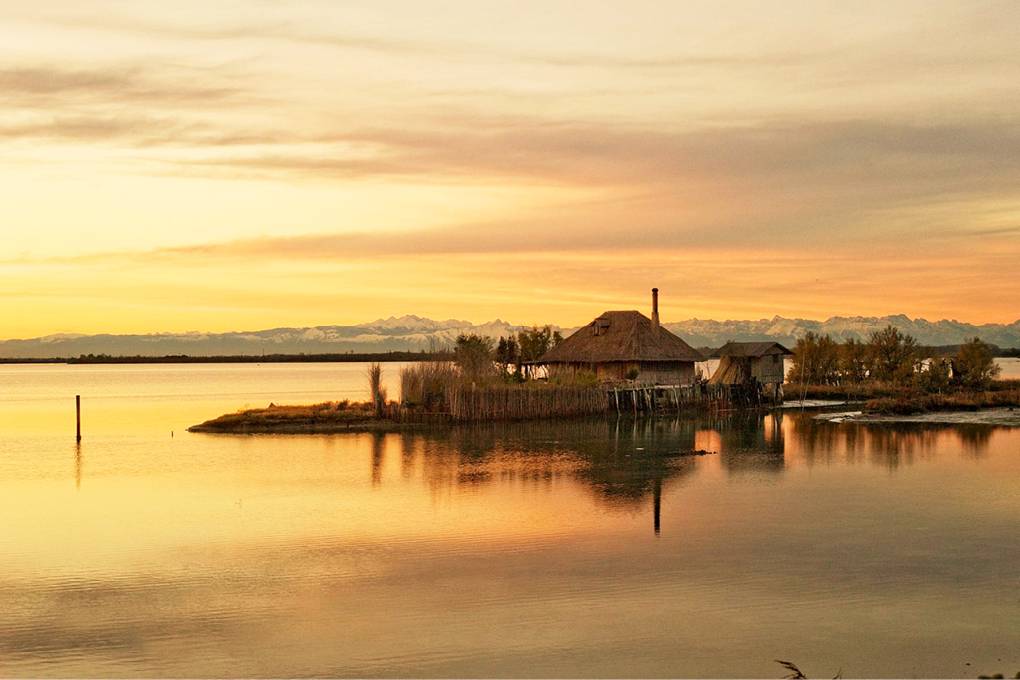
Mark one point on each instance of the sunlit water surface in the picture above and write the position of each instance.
(516, 550)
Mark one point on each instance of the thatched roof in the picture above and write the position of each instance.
(750, 349)
(620, 336)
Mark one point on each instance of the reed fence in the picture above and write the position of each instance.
(519, 402)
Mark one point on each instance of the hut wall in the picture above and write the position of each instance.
(667, 373)
(657, 373)
(769, 368)
(615, 371)
(607, 372)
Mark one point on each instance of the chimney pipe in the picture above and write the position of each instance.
(655, 307)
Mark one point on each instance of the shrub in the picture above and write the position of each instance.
(936, 376)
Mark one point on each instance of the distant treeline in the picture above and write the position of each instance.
(240, 358)
(952, 350)
(930, 351)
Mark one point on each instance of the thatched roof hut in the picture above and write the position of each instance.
(741, 362)
(625, 344)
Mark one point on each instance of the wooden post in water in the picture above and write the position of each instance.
(657, 505)
(77, 416)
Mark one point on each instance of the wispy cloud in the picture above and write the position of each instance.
(25, 86)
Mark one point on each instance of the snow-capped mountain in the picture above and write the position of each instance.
(416, 333)
(384, 335)
(708, 333)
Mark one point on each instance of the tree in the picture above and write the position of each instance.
(535, 341)
(974, 364)
(815, 360)
(853, 362)
(474, 356)
(893, 356)
(507, 352)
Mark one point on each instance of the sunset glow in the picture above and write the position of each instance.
(241, 165)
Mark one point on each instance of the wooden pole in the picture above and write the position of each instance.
(657, 505)
(77, 416)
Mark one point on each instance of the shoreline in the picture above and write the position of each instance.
(1000, 417)
(323, 418)
(298, 427)
(344, 418)
(279, 358)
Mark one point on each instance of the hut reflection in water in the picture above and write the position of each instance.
(628, 464)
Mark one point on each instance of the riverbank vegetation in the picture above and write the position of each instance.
(328, 417)
(893, 375)
(488, 381)
(481, 381)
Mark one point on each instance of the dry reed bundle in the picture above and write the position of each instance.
(518, 402)
(427, 384)
(376, 389)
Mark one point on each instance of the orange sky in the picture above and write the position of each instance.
(250, 164)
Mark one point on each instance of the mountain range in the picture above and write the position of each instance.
(417, 333)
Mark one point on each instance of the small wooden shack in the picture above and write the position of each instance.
(625, 345)
(743, 362)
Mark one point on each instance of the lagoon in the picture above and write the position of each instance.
(577, 548)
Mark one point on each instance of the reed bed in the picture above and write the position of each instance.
(426, 385)
(519, 402)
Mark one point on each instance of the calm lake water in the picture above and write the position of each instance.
(503, 550)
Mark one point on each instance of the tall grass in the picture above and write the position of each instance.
(427, 385)
(440, 387)
(376, 389)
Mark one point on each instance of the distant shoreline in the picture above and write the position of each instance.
(361, 357)
(333, 357)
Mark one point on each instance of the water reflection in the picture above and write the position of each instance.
(378, 451)
(77, 465)
(887, 445)
(752, 443)
(627, 463)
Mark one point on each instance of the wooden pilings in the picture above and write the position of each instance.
(77, 417)
(678, 398)
(522, 402)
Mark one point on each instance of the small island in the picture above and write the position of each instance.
(626, 364)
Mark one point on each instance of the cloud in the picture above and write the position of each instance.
(26, 86)
(781, 176)
(127, 106)
(574, 151)
(290, 32)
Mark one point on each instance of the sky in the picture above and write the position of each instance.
(250, 164)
